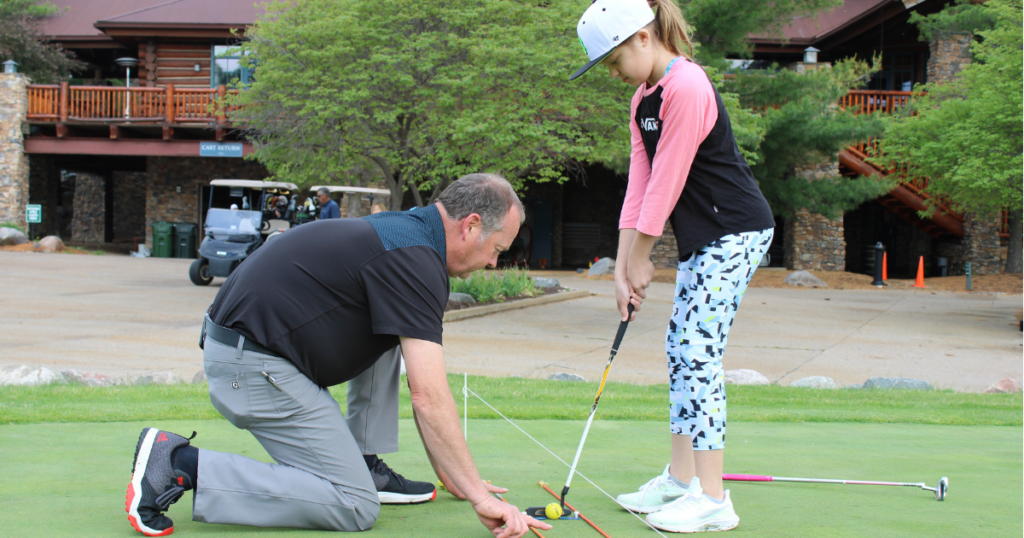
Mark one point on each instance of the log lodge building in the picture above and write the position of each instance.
(106, 161)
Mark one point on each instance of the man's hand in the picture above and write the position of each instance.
(495, 514)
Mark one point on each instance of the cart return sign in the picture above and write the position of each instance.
(34, 213)
(220, 149)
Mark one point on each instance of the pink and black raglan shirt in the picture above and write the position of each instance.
(685, 165)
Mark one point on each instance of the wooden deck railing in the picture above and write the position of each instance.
(166, 105)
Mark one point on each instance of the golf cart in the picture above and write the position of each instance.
(338, 191)
(231, 234)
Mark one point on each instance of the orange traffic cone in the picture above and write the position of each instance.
(885, 266)
(919, 283)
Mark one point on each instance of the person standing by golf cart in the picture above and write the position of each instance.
(684, 165)
(285, 326)
(328, 207)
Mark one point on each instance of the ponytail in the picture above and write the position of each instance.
(670, 28)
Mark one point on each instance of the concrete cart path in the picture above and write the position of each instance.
(119, 316)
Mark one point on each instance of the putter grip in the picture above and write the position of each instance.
(622, 328)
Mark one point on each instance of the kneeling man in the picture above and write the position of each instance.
(329, 302)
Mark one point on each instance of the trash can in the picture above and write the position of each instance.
(162, 237)
(184, 240)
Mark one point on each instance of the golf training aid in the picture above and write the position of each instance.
(939, 489)
(593, 410)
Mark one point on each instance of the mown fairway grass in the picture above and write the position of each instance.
(66, 456)
(530, 399)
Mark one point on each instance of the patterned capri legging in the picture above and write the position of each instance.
(709, 288)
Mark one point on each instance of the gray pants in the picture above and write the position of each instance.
(320, 480)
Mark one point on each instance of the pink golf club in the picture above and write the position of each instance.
(939, 489)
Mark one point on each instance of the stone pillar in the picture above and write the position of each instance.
(88, 223)
(815, 242)
(947, 57)
(13, 161)
(665, 254)
(981, 243)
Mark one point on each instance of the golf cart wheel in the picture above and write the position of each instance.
(199, 272)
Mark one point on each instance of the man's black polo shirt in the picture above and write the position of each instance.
(333, 295)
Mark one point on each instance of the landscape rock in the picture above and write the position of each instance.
(805, 279)
(200, 377)
(744, 376)
(815, 382)
(1004, 385)
(461, 298)
(562, 376)
(890, 383)
(88, 379)
(11, 237)
(52, 243)
(158, 378)
(26, 375)
(543, 282)
(604, 266)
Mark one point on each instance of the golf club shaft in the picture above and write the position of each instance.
(593, 410)
(759, 478)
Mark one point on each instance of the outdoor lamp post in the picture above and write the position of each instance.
(811, 55)
(127, 63)
(10, 66)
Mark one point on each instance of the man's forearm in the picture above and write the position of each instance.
(437, 417)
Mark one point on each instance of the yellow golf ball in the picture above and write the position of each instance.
(553, 511)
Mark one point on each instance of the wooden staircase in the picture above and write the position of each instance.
(908, 198)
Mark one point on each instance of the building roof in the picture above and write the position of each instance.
(812, 30)
(83, 20)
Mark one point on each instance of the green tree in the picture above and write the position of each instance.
(426, 95)
(20, 40)
(803, 125)
(965, 135)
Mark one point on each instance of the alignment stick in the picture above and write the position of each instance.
(583, 517)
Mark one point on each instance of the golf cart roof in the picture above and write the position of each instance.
(253, 184)
(365, 190)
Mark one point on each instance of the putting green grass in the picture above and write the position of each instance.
(524, 399)
(68, 479)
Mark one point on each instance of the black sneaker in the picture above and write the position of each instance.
(393, 488)
(155, 484)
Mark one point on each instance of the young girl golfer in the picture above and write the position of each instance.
(684, 167)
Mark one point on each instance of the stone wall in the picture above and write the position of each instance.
(173, 185)
(665, 253)
(88, 224)
(947, 57)
(129, 206)
(813, 242)
(13, 161)
(981, 244)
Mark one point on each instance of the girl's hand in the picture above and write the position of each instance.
(624, 295)
(639, 275)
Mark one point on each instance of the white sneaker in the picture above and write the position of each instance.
(657, 493)
(695, 512)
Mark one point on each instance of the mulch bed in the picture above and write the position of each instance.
(541, 291)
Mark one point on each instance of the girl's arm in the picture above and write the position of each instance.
(639, 175)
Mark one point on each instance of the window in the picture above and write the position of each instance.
(898, 73)
(228, 69)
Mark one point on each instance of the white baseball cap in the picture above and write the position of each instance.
(607, 24)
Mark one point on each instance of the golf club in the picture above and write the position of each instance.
(939, 489)
(600, 389)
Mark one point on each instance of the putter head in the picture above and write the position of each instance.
(940, 489)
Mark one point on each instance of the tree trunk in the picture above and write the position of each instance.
(1013, 252)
